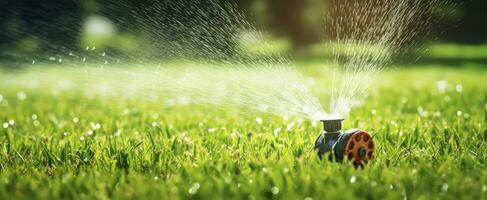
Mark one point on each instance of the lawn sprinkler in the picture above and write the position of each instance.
(354, 143)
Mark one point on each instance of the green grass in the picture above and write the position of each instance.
(430, 145)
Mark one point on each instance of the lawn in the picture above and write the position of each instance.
(428, 122)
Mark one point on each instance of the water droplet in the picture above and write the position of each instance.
(442, 86)
(459, 88)
(65, 133)
(155, 116)
(211, 130)
(373, 183)
(275, 190)
(11, 122)
(1, 99)
(447, 98)
(290, 126)
(36, 123)
(484, 188)
(34, 116)
(5, 125)
(308, 198)
(90, 132)
(444, 187)
(228, 180)
(259, 120)
(353, 179)
(81, 138)
(21, 95)
(156, 178)
(459, 113)
(75, 120)
(250, 181)
(277, 131)
(118, 132)
(391, 186)
(154, 124)
(194, 188)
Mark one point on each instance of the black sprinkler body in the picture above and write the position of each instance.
(354, 143)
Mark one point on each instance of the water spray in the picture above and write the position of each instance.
(354, 144)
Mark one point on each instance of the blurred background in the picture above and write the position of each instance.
(35, 30)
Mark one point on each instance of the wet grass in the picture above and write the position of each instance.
(428, 122)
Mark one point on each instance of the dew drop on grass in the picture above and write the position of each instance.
(21, 95)
(459, 113)
(36, 123)
(1, 99)
(34, 116)
(290, 126)
(90, 132)
(75, 120)
(484, 188)
(308, 198)
(353, 179)
(156, 178)
(442, 86)
(259, 120)
(373, 183)
(228, 180)
(444, 187)
(81, 138)
(459, 88)
(194, 188)
(154, 124)
(277, 131)
(11, 122)
(65, 133)
(275, 190)
(118, 132)
(5, 125)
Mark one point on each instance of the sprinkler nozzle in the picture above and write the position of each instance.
(354, 143)
(332, 125)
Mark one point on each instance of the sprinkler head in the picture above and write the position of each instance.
(354, 143)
